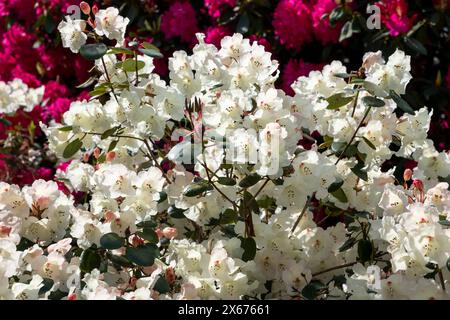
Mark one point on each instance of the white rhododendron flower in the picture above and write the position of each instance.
(72, 33)
(215, 184)
(109, 23)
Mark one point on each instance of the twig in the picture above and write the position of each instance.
(301, 214)
(354, 135)
(334, 268)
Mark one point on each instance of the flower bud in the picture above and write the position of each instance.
(85, 8)
(169, 232)
(159, 233)
(136, 240)
(418, 184)
(97, 153)
(110, 156)
(407, 175)
(94, 9)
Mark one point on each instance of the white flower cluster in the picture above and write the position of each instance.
(198, 188)
(107, 23)
(15, 94)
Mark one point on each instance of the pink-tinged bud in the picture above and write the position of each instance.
(170, 275)
(418, 184)
(159, 233)
(110, 216)
(5, 230)
(137, 241)
(86, 156)
(407, 175)
(72, 297)
(91, 22)
(85, 8)
(94, 9)
(133, 281)
(97, 153)
(110, 156)
(169, 232)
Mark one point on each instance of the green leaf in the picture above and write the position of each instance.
(72, 148)
(369, 143)
(146, 224)
(111, 241)
(338, 146)
(5, 122)
(119, 260)
(374, 89)
(335, 185)
(347, 244)
(373, 102)
(161, 285)
(197, 188)
(402, 104)
(143, 255)
(416, 46)
(265, 202)
(229, 216)
(150, 46)
(346, 31)
(112, 145)
(243, 24)
(313, 289)
(176, 213)
(337, 101)
(226, 181)
(93, 51)
(47, 285)
(162, 197)
(121, 51)
(357, 170)
(109, 133)
(129, 65)
(90, 260)
(249, 246)
(365, 250)
(336, 15)
(151, 53)
(445, 223)
(66, 128)
(49, 23)
(149, 235)
(342, 75)
(99, 91)
(340, 195)
(250, 180)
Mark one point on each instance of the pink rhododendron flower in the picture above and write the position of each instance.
(29, 79)
(215, 34)
(56, 109)
(54, 90)
(292, 23)
(261, 41)
(215, 6)
(322, 29)
(44, 173)
(179, 21)
(23, 9)
(394, 15)
(293, 70)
